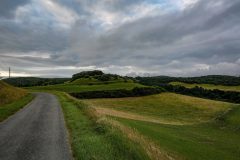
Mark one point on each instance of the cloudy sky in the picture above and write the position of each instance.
(56, 38)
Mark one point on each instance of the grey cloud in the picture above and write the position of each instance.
(202, 39)
(7, 7)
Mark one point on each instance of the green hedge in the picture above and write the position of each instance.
(136, 92)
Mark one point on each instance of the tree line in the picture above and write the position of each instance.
(211, 79)
(227, 96)
(135, 92)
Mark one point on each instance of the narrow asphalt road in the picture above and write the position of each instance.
(37, 132)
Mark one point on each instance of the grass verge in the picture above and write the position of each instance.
(91, 139)
(9, 109)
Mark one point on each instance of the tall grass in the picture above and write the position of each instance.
(9, 109)
(9, 93)
(91, 139)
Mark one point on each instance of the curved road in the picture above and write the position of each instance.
(37, 132)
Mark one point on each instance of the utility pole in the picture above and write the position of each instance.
(9, 72)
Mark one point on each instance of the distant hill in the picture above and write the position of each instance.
(34, 81)
(97, 77)
(211, 79)
(9, 93)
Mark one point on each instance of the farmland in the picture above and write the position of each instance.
(208, 86)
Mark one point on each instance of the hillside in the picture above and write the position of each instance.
(9, 93)
(92, 81)
(97, 77)
(182, 127)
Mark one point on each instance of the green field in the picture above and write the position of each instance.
(214, 134)
(69, 87)
(81, 88)
(208, 86)
(93, 81)
(166, 106)
(91, 140)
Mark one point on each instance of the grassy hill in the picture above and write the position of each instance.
(166, 107)
(185, 127)
(12, 99)
(91, 81)
(82, 88)
(208, 86)
(9, 93)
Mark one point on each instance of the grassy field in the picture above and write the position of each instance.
(214, 135)
(9, 109)
(93, 81)
(93, 140)
(208, 141)
(166, 106)
(9, 93)
(69, 87)
(208, 86)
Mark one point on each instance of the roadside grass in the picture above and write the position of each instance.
(91, 139)
(168, 107)
(208, 141)
(9, 93)
(68, 87)
(208, 86)
(9, 109)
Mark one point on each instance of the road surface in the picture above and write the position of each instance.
(37, 132)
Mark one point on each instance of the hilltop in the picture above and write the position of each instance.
(97, 77)
(9, 93)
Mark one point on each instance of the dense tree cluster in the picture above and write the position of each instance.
(136, 92)
(33, 81)
(99, 75)
(228, 96)
(87, 74)
(211, 79)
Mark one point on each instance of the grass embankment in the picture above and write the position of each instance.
(91, 139)
(9, 109)
(218, 138)
(166, 107)
(9, 93)
(12, 99)
(208, 86)
(69, 87)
